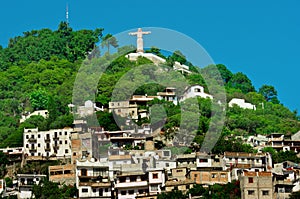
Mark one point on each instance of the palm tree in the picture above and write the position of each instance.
(109, 40)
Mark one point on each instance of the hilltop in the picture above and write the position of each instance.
(38, 70)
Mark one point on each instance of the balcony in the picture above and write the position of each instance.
(55, 147)
(47, 139)
(47, 149)
(131, 184)
(95, 184)
(32, 150)
(32, 139)
(55, 138)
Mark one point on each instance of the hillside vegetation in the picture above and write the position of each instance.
(38, 70)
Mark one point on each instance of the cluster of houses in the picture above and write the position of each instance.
(126, 164)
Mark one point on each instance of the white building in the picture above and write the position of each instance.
(157, 179)
(52, 143)
(2, 186)
(93, 179)
(43, 113)
(129, 185)
(26, 182)
(241, 103)
(194, 91)
(168, 95)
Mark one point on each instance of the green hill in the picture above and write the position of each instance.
(38, 70)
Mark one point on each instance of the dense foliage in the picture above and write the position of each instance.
(38, 71)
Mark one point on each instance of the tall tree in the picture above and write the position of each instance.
(109, 40)
(242, 82)
(270, 93)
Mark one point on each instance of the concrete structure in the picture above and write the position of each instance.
(124, 109)
(43, 113)
(247, 160)
(181, 67)
(284, 142)
(186, 160)
(209, 161)
(194, 91)
(168, 95)
(93, 179)
(88, 109)
(14, 155)
(210, 177)
(26, 182)
(256, 185)
(2, 186)
(157, 180)
(130, 185)
(241, 103)
(63, 174)
(52, 143)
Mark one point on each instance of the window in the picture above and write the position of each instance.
(39, 145)
(213, 175)
(265, 192)
(60, 142)
(106, 189)
(203, 160)
(39, 154)
(250, 180)
(155, 175)
(167, 164)
(66, 151)
(123, 192)
(94, 190)
(66, 141)
(154, 188)
(84, 190)
(83, 172)
(27, 136)
(59, 133)
(166, 153)
(141, 191)
(223, 175)
(250, 192)
(66, 133)
(27, 146)
(39, 135)
(131, 192)
(179, 170)
(74, 154)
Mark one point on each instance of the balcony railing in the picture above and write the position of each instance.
(47, 149)
(55, 138)
(55, 146)
(47, 139)
(32, 140)
(32, 149)
(131, 184)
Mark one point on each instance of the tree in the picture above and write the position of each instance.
(109, 40)
(269, 93)
(3, 162)
(174, 194)
(39, 99)
(242, 82)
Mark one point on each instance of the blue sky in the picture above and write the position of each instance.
(258, 38)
